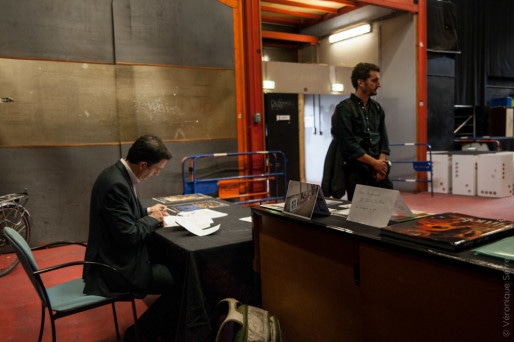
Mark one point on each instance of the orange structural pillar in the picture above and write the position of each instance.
(248, 74)
(253, 76)
(421, 133)
(253, 90)
(248, 84)
(239, 72)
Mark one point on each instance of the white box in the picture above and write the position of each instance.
(464, 174)
(441, 171)
(495, 174)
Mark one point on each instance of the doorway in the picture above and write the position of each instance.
(282, 129)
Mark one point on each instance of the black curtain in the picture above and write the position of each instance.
(500, 38)
(486, 44)
(442, 26)
(470, 63)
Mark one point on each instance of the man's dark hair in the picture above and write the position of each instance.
(361, 72)
(148, 148)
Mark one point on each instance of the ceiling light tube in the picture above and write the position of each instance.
(268, 84)
(337, 87)
(350, 33)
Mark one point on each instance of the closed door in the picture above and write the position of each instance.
(282, 129)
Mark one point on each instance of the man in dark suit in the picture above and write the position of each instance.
(120, 235)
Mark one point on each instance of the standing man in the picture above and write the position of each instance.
(358, 125)
(120, 234)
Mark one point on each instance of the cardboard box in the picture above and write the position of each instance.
(495, 174)
(501, 122)
(441, 171)
(464, 174)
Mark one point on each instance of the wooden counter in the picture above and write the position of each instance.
(329, 279)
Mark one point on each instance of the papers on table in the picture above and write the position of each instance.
(274, 206)
(342, 210)
(203, 212)
(197, 222)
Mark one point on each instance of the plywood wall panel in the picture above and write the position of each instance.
(57, 103)
(62, 103)
(176, 103)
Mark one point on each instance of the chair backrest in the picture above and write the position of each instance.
(24, 254)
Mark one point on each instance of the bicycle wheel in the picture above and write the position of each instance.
(17, 217)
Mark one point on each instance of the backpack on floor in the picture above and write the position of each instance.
(246, 323)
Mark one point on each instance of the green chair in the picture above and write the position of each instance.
(67, 298)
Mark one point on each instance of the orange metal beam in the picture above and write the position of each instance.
(253, 72)
(422, 121)
(404, 5)
(248, 74)
(301, 5)
(285, 20)
(288, 12)
(350, 3)
(239, 71)
(302, 38)
(254, 94)
(248, 83)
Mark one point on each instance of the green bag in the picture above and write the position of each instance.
(251, 324)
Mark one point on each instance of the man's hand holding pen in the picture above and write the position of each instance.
(158, 212)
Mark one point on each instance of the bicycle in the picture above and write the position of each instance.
(12, 214)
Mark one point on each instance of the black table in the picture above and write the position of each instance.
(210, 268)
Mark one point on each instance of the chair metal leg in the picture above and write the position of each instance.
(54, 337)
(42, 327)
(134, 313)
(115, 321)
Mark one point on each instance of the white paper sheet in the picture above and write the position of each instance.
(197, 224)
(375, 206)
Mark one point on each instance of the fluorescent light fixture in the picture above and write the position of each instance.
(337, 87)
(350, 33)
(268, 84)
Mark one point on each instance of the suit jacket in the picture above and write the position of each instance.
(119, 232)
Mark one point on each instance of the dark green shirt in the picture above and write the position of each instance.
(358, 130)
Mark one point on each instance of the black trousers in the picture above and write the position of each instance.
(360, 173)
(159, 321)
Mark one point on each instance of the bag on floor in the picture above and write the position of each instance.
(246, 323)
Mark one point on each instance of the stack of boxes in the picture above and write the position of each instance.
(488, 174)
(479, 172)
(464, 174)
(442, 172)
(495, 174)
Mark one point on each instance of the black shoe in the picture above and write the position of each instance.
(130, 334)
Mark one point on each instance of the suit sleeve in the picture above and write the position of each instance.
(127, 221)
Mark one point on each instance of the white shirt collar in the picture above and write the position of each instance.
(133, 177)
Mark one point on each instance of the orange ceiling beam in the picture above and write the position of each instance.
(301, 5)
(284, 20)
(288, 12)
(404, 5)
(302, 38)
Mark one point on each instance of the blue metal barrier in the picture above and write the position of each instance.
(261, 170)
(418, 165)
